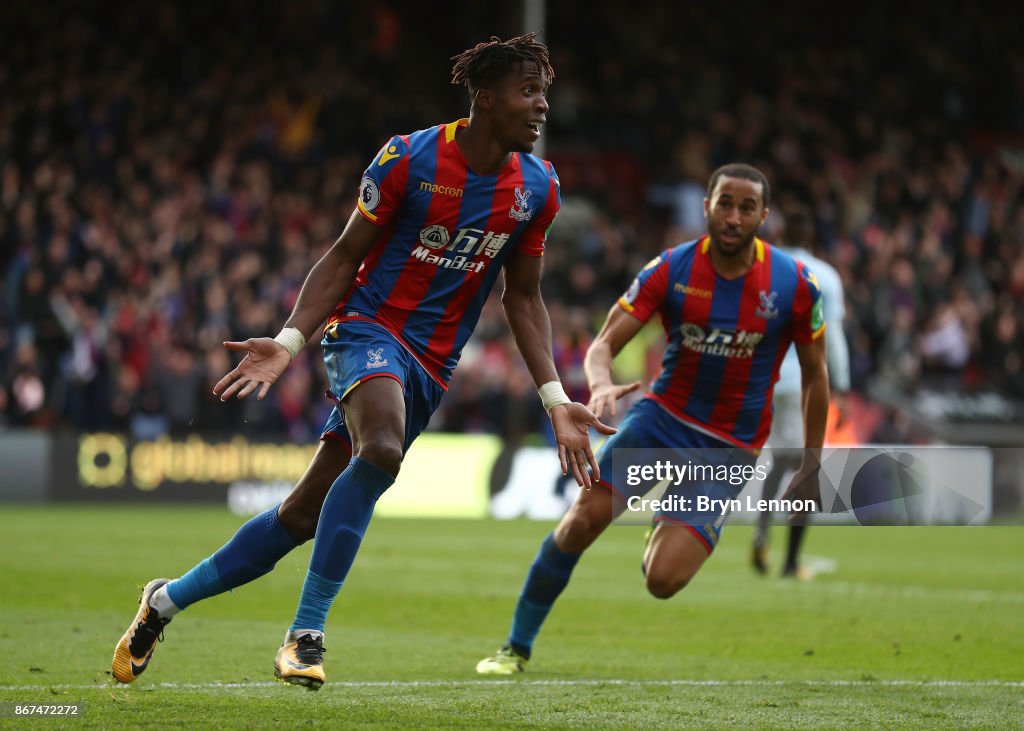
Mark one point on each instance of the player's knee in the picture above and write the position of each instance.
(664, 585)
(666, 581)
(382, 453)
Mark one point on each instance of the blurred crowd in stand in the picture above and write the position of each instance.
(169, 173)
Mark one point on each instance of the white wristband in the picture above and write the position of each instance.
(292, 340)
(552, 394)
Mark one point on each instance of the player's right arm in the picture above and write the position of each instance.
(332, 276)
(325, 285)
(380, 196)
(619, 328)
(627, 316)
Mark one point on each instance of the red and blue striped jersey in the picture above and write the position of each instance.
(725, 338)
(445, 233)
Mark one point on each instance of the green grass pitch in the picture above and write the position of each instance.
(916, 627)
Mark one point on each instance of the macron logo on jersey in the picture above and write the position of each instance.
(387, 155)
(704, 294)
(442, 189)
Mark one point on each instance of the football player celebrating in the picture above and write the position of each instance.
(441, 213)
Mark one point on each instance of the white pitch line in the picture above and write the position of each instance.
(594, 682)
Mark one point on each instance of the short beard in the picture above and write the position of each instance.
(739, 249)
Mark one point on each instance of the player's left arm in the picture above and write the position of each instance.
(810, 335)
(809, 329)
(814, 399)
(814, 393)
(531, 326)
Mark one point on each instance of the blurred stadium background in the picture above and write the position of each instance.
(170, 172)
(167, 178)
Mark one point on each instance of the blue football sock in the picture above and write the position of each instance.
(317, 595)
(548, 576)
(252, 552)
(343, 520)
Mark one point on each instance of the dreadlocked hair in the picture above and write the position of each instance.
(486, 63)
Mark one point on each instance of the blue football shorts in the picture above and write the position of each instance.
(355, 352)
(648, 435)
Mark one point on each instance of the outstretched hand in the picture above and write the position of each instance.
(603, 398)
(263, 364)
(572, 423)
